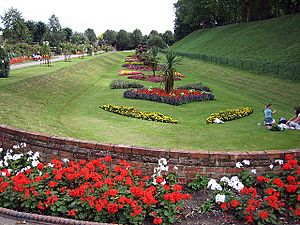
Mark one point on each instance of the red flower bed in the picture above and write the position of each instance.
(99, 190)
(17, 60)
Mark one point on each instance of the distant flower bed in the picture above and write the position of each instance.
(128, 72)
(123, 84)
(177, 97)
(141, 67)
(153, 79)
(21, 59)
(101, 190)
(136, 113)
(230, 114)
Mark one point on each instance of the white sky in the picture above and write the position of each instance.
(99, 15)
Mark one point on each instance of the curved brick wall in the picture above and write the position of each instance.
(210, 163)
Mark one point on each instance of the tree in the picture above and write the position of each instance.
(40, 32)
(15, 29)
(31, 26)
(169, 70)
(68, 32)
(123, 40)
(56, 34)
(91, 36)
(152, 58)
(110, 37)
(4, 63)
(78, 38)
(156, 40)
(136, 38)
(169, 37)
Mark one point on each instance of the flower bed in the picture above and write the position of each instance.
(177, 97)
(230, 114)
(22, 59)
(269, 199)
(100, 190)
(153, 79)
(128, 72)
(123, 84)
(136, 113)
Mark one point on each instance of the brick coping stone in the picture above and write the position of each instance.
(36, 218)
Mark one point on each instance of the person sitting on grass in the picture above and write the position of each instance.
(294, 122)
(269, 121)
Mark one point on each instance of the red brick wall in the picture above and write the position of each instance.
(210, 163)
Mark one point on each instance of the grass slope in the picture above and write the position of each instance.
(248, 40)
(65, 101)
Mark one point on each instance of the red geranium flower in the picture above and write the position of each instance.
(72, 212)
(278, 182)
(264, 214)
(158, 220)
(235, 203)
(291, 188)
(112, 208)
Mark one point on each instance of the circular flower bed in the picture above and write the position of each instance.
(229, 114)
(177, 97)
(100, 190)
(136, 113)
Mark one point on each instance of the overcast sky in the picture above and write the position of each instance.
(99, 15)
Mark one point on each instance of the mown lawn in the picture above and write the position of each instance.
(64, 100)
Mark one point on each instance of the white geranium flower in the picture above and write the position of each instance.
(253, 171)
(213, 185)
(220, 198)
(271, 166)
(279, 161)
(17, 156)
(246, 162)
(35, 163)
(225, 180)
(164, 168)
(1, 163)
(175, 168)
(23, 145)
(164, 182)
(238, 186)
(234, 179)
(1, 149)
(5, 163)
(16, 146)
(30, 152)
(65, 160)
(238, 165)
(162, 162)
(51, 165)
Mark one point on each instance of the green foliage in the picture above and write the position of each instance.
(229, 114)
(199, 183)
(169, 71)
(196, 86)
(4, 63)
(123, 84)
(91, 36)
(206, 207)
(136, 113)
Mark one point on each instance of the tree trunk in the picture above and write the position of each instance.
(248, 17)
(277, 8)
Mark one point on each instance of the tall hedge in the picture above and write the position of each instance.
(4, 63)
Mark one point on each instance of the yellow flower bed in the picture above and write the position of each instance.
(229, 114)
(136, 113)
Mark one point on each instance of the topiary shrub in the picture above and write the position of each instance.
(122, 84)
(4, 63)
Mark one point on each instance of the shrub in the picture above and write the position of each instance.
(102, 190)
(136, 113)
(229, 114)
(122, 84)
(4, 63)
(196, 86)
(177, 97)
(200, 183)
(268, 199)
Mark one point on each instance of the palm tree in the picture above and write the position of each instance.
(152, 58)
(169, 70)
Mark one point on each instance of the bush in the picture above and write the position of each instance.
(267, 199)
(4, 63)
(196, 86)
(136, 113)
(102, 190)
(122, 84)
(229, 114)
